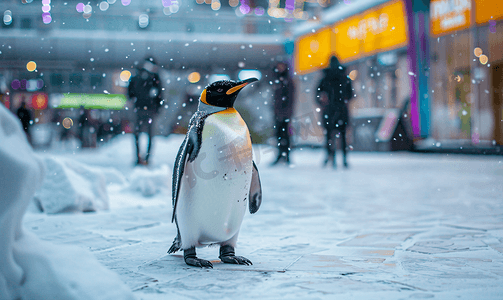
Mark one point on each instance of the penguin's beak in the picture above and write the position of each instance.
(240, 85)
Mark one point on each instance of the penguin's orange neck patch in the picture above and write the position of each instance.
(228, 110)
(203, 97)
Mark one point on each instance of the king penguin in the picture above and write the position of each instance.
(214, 177)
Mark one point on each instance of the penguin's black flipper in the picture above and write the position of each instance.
(255, 191)
(190, 146)
(181, 158)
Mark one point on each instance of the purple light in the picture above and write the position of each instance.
(290, 5)
(492, 26)
(244, 9)
(80, 7)
(46, 2)
(40, 84)
(166, 3)
(15, 84)
(23, 84)
(46, 18)
(46, 8)
(347, 2)
(126, 2)
(259, 11)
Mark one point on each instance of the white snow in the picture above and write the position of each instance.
(393, 226)
(70, 186)
(31, 268)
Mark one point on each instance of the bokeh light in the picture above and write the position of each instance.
(67, 123)
(80, 7)
(483, 59)
(215, 5)
(126, 2)
(233, 3)
(31, 66)
(111, 1)
(194, 77)
(46, 18)
(88, 9)
(104, 6)
(125, 75)
(46, 2)
(199, 1)
(259, 11)
(46, 8)
(39, 101)
(15, 84)
(174, 8)
(353, 74)
(166, 3)
(7, 17)
(477, 51)
(143, 21)
(245, 9)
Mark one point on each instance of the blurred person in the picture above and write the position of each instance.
(334, 93)
(24, 116)
(145, 92)
(88, 129)
(283, 109)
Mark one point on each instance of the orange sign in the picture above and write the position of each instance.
(379, 29)
(376, 30)
(488, 10)
(313, 51)
(449, 15)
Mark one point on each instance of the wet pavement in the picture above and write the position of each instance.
(392, 226)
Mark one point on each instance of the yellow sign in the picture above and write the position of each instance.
(379, 29)
(313, 51)
(488, 10)
(376, 30)
(449, 15)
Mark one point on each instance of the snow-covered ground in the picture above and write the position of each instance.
(392, 226)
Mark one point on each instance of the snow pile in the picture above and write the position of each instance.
(30, 268)
(70, 186)
(150, 181)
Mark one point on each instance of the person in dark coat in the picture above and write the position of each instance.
(283, 109)
(24, 116)
(334, 93)
(145, 91)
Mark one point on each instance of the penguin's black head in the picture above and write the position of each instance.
(223, 93)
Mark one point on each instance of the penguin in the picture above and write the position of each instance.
(214, 177)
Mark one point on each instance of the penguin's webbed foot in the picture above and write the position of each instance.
(238, 260)
(228, 256)
(191, 259)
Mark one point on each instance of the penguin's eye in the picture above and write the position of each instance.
(220, 90)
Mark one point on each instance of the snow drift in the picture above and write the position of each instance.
(70, 186)
(29, 267)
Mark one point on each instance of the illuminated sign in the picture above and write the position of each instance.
(379, 29)
(39, 101)
(449, 15)
(488, 10)
(89, 101)
(313, 51)
(376, 30)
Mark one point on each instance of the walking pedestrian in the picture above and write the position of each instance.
(145, 91)
(334, 93)
(283, 109)
(24, 116)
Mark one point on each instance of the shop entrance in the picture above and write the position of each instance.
(462, 105)
(498, 103)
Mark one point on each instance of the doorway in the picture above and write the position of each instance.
(497, 79)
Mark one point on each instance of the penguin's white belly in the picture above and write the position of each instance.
(215, 186)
